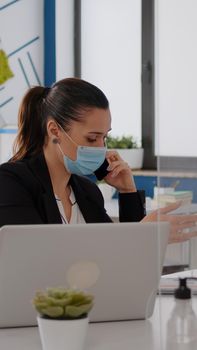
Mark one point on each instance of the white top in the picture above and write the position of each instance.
(76, 215)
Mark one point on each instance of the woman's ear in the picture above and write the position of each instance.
(53, 130)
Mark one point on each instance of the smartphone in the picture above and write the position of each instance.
(102, 171)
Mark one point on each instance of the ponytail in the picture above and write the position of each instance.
(31, 124)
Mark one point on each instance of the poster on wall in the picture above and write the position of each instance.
(21, 53)
(21, 61)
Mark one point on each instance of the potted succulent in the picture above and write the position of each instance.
(128, 148)
(62, 317)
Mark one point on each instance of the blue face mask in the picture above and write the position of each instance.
(89, 159)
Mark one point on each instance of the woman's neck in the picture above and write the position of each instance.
(58, 173)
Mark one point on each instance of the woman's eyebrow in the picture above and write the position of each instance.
(98, 132)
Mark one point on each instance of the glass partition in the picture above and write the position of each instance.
(176, 150)
(175, 114)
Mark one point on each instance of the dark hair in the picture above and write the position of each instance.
(65, 101)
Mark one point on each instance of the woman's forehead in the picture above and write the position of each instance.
(97, 117)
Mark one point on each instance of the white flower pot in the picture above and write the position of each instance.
(62, 334)
(134, 157)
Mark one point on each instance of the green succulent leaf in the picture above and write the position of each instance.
(80, 299)
(77, 311)
(62, 303)
(57, 292)
(53, 311)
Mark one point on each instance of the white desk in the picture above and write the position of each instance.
(160, 332)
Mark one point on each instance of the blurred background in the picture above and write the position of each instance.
(142, 54)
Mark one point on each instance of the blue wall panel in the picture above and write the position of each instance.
(49, 43)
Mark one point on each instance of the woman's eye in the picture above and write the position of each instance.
(91, 140)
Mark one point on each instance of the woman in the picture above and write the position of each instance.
(61, 137)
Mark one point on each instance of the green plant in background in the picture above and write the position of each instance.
(121, 142)
(62, 303)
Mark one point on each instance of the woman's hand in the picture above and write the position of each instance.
(120, 175)
(178, 223)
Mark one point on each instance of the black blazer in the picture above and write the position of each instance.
(26, 196)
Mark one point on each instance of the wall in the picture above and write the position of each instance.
(21, 28)
(111, 58)
(64, 39)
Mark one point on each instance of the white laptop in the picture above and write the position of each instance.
(119, 263)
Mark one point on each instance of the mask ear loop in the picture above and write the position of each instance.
(67, 135)
(57, 142)
(61, 150)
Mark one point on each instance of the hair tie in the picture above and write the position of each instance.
(46, 91)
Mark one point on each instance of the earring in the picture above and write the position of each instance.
(55, 141)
